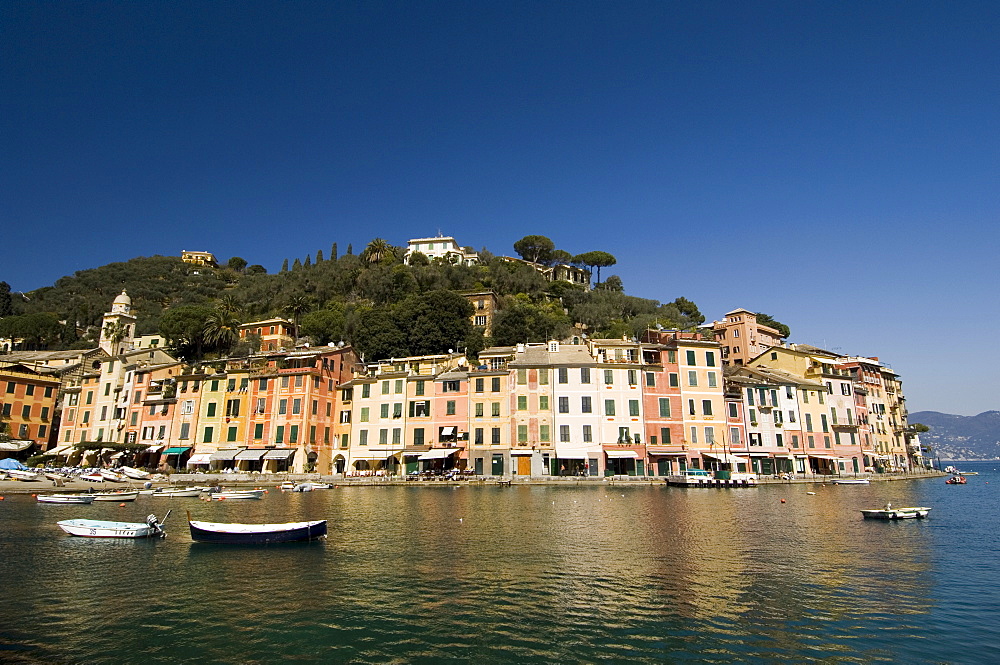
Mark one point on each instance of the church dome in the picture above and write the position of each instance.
(123, 299)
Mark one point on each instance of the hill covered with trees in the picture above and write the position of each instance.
(373, 300)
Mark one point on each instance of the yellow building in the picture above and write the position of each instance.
(199, 258)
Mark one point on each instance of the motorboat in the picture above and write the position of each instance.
(237, 494)
(169, 493)
(256, 534)
(956, 480)
(851, 481)
(112, 476)
(890, 513)
(25, 476)
(93, 477)
(287, 487)
(152, 527)
(134, 474)
(66, 498)
(309, 487)
(116, 496)
(703, 478)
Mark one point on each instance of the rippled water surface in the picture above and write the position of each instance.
(518, 575)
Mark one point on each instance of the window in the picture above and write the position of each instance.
(691, 409)
(385, 387)
(633, 377)
(706, 407)
(185, 431)
(418, 436)
(609, 407)
(585, 405)
(543, 433)
(791, 416)
(709, 435)
(282, 406)
(495, 409)
(633, 408)
(564, 433)
(398, 388)
(563, 375)
(588, 436)
(450, 386)
(733, 410)
(665, 435)
(364, 414)
(543, 377)
(584, 375)
(345, 416)
(383, 436)
(543, 402)
(397, 410)
(479, 410)
(812, 441)
(522, 433)
(845, 389)
(366, 391)
(206, 438)
(26, 412)
(713, 381)
(609, 377)
(522, 377)
(232, 408)
(258, 431)
(564, 405)
(671, 355)
(495, 384)
(495, 436)
(692, 378)
(651, 379)
(480, 385)
(674, 380)
(788, 392)
(293, 434)
(823, 422)
(383, 411)
(694, 434)
(522, 402)
(363, 437)
(710, 358)
(296, 406)
(795, 441)
(664, 407)
(397, 435)
(734, 436)
(449, 407)
(315, 407)
(809, 422)
(477, 436)
(691, 358)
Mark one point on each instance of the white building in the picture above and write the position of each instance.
(441, 247)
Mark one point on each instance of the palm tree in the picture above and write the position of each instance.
(229, 304)
(378, 250)
(296, 306)
(116, 332)
(222, 330)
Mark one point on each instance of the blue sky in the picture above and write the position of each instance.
(832, 164)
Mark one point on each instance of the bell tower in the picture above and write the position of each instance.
(118, 326)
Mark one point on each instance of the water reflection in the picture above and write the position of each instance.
(522, 574)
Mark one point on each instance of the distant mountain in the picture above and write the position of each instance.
(961, 437)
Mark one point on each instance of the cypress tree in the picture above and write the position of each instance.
(319, 256)
(284, 266)
(333, 252)
(296, 265)
(308, 260)
(350, 249)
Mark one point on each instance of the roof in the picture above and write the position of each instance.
(573, 354)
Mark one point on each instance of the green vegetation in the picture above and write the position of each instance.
(766, 320)
(372, 300)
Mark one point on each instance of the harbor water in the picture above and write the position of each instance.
(525, 574)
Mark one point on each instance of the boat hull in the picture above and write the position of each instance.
(256, 534)
(116, 496)
(852, 481)
(177, 493)
(102, 529)
(896, 513)
(249, 494)
(66, 498)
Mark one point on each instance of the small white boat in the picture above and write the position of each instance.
(116, 496)
(177, 493)
(25, 476)
(287, 487)
(256, 534)
(237, 494)
(66, 498)
(135, 474)
(890, 513)
(102, 529)
(851, 481)
(112, 476)
(93, 477)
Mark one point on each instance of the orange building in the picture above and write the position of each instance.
(27, 404)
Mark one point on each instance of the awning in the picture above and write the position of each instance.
(447, 431)
(622, 454)
(154, 449)
(438, 453)
(827, 361)
(824, 456)
(575, 453)
(415, 450)
(727, 459)
(760, 454)
(521, 452)
(178, 450)
(200, 459)
(227, 455)
(656, 450)
(15, 445)
(279, 453)
(61, 450)
(116, 455)
(250, 455)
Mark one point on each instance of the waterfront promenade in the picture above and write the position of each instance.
(9, 486)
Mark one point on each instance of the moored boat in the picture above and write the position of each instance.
(890, 513)
(851, 481)
(116, 496)
(152, 527)
(256, 534)
(66, 498)
(93, 477)
(112, 476)
(25, 476)
(237, 494)
(956, 480)
(135, 474)
(177, 493)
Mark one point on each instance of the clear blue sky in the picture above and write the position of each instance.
(834, 164)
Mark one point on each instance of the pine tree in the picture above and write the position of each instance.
(308, 261)
(284, 266)
(296, 265)
(319, 256)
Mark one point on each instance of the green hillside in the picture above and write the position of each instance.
(371, 300)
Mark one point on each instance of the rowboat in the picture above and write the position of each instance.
(115, 496)
(26, 476)
(135, 474)
(237, 494)
(256, 534)
(890, 513)
(103, 529)
(175, 493)
(66, 498)
(851, 481)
